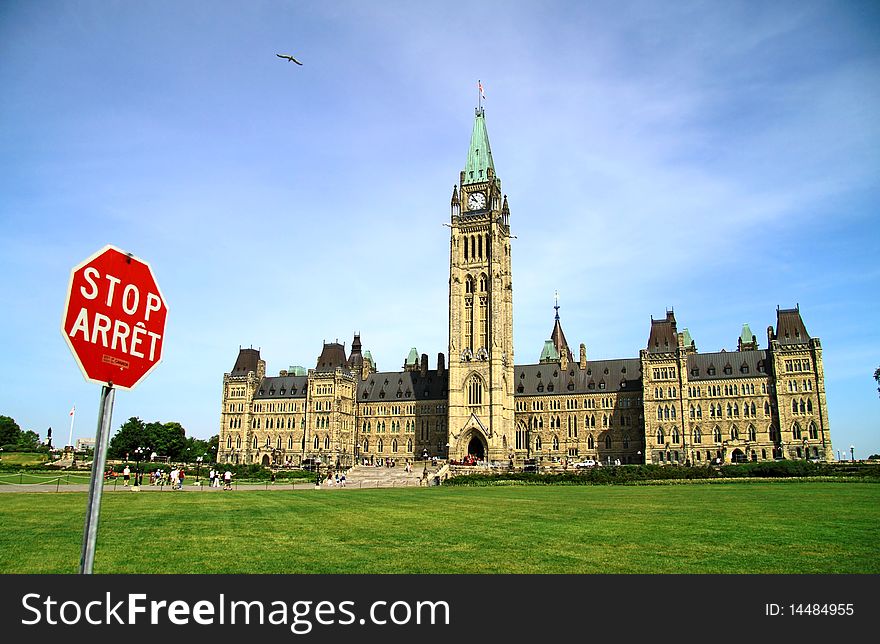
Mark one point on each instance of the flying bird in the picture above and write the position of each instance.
(289, 57)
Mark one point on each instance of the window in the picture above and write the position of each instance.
(555, 443)
(537, 443)
(675, 436)
(734, 433)
(660, 437)
(814, 434)
(698, 436)
(753, 435)
(796, 431)
(716, 434)
(591, 443)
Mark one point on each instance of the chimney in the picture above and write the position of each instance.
(441, 365)
(282, 373)
(261, 369)
(563, 359)
(424, 369)
(583, 364)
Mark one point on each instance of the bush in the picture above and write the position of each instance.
(638, 474)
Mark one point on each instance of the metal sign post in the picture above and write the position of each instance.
(96, 485)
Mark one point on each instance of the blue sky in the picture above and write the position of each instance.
(718, 158)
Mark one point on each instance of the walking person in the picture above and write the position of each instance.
(180, 477)
(126, 475)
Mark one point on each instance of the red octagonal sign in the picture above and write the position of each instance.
(114, 318)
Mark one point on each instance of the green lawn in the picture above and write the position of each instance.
(747, 527)
(24, 458)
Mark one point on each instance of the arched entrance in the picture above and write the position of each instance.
(265, 460)
(476, 448)
(737, 456)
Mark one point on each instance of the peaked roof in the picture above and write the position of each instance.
(413, 357)
(790, 327)
(246, 361)
(549, 352)
(479, 158)
(663, 338)
(686, 337)
(559, 341)
(332, 356)
(746, 336)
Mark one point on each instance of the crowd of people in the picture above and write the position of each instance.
(173, 477)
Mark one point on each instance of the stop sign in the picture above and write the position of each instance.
(114, 318)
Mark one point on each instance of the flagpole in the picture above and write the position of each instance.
(72, 418)
(479, 95)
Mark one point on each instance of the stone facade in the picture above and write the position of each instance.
(671, 404)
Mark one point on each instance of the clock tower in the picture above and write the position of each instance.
(481, 383)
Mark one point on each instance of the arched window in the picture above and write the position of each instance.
(475, 391)
(660, 437)
(659, 413)
(692, 412)
(814, 434)
(607, 441)
(698, 436)
(699, 411)
(794, 406)
(290, 442)
(754, 410)
(803, 406)
(716, 434)
(229, 442)
(555, 443)
(734, 433)
(381, 445)
(409, 445)
(626, 442)
(316, 442)
(753, 435)
(255, 441)
(591, 444)
(796, 431)
(809, 406)
(729, 410)
(766, 408)
(672, 412)
(366, 445)
(238, 442)
(675, 436)
(394, 445)
(537, 443)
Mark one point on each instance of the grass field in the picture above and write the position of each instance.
(747, 527)
(24, 458)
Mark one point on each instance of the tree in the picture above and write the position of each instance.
(9, 431)
(131, 434)
(28, 441)
(877, 378)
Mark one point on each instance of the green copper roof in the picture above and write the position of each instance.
(549, 352)
(687, 337)
(479, 158)
(413, 357)
(746, 335)
(369, 355)
(297, 371)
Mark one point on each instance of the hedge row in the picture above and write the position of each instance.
(636, 473)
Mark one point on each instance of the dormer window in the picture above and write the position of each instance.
(540, 387)
(550, 387)
(695, 372)
(728, 370)
(606, 371)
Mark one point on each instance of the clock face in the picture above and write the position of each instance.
(476, 201)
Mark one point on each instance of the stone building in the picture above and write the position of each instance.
(671, 404)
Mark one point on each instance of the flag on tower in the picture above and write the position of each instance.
(72, 411)
(480, 86)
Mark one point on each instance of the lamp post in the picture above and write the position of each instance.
(852, 453)
(198, 468)
(318, 471)
(138, 454)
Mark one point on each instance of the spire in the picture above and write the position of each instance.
(556, 306)
(479, 158)
(747, 340)
(558, 337)
(455, 201)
